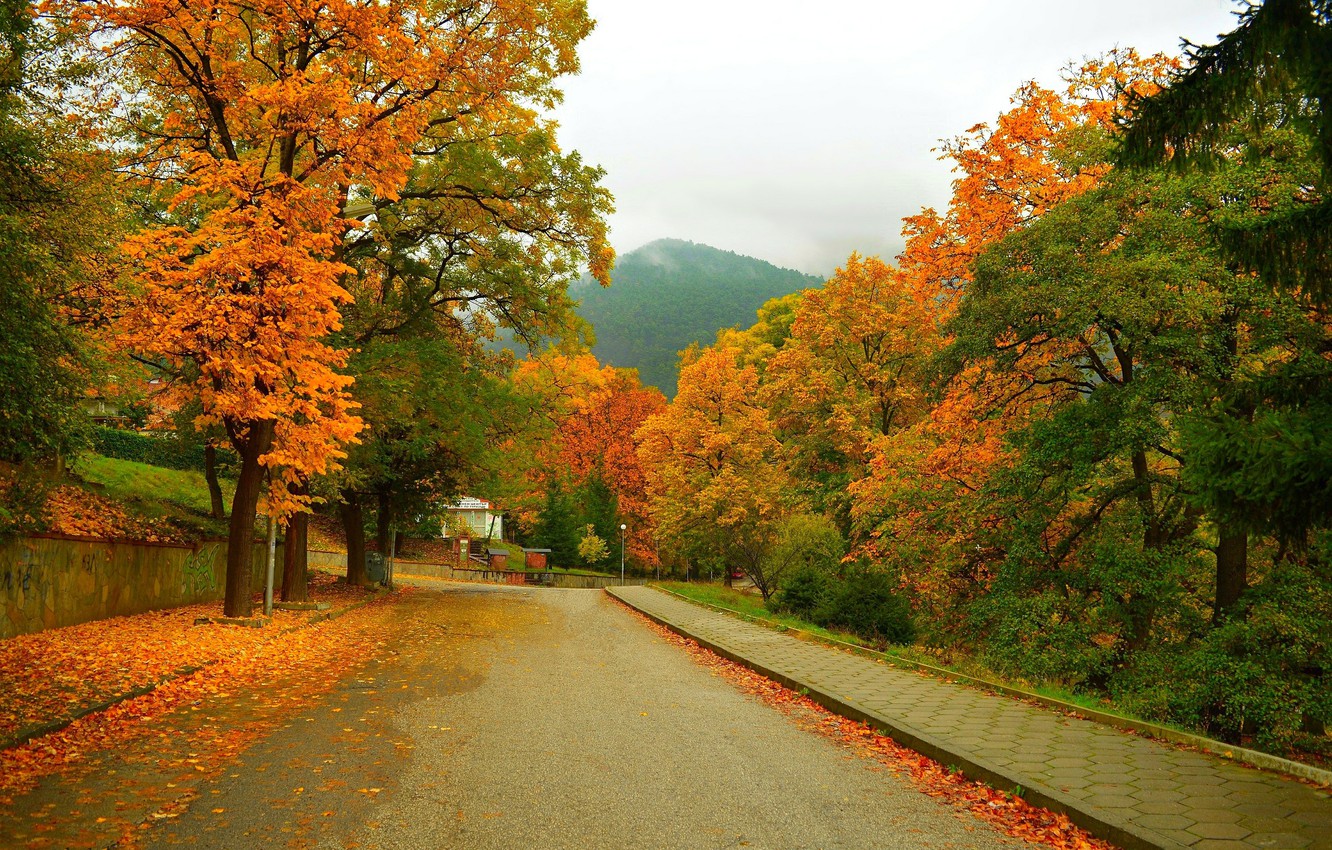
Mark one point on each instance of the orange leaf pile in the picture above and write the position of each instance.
(54, 674)
(282, 671)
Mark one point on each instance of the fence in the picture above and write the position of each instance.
(448, 571)
(51, 580)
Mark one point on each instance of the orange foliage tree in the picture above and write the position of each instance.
(254, 121)
(914, 506)
(591, 414)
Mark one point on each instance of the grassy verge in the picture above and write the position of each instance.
(975, 673)
(128, 480)
(752, 606)
(153, 492)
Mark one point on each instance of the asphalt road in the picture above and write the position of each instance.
(552, 719)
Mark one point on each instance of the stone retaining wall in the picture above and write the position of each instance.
(52, 581)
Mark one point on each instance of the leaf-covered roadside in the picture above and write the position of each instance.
(275, 678)
(56, 673)
(1010, 814)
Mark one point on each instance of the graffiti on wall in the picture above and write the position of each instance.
(19, 576)
(197, 571)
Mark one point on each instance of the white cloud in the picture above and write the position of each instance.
(798, 132)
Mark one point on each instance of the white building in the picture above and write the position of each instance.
(480, 515)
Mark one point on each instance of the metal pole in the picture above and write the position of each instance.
(622, 527)
(272, 557)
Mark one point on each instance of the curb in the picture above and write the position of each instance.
(23, 736)
(1220, 749)
(1102, 827)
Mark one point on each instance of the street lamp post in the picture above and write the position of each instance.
(622, 528)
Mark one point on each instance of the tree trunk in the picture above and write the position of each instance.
(258, 439)
(353, 525)
(295, 572)
(1232, 571)
(210, 475)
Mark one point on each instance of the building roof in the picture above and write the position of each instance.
(544, 551)
(467, 503)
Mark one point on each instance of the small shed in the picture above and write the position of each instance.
(497, 558)
(535, 559)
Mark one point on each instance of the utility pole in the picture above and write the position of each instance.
(272, 557)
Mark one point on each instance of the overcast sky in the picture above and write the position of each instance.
(800, 131)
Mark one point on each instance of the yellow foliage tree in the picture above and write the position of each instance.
(715, 481)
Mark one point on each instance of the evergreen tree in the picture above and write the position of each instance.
(599, 508)
(557, 528)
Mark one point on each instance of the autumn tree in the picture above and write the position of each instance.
(715, 483)
(258, 122)
(916, 510)
(850, 371)
(583, 420)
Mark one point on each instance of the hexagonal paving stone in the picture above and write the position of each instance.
(1205, 773)
(1313, 801)
(1069, 761)
(1279, 840)
(1112, 801)
(1069, 772)
(1122, 780)
(1267, 796)
(1270, 825)
(1179, 836)
(1209, 815)
(1218, 830)
(1161, 807)
(1157, 789)
(1262, 810)
(1321, 819)
(1193, 789)
(1163, 822)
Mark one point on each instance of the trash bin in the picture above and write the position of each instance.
(374, 567)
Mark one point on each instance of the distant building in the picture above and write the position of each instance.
(480, 515)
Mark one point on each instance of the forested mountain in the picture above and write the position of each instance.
(670, 293)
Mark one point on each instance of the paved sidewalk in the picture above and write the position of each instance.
(1132, 791)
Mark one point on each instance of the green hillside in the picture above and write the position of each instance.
(670, 293)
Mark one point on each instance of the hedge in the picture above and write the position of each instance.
(166, 451)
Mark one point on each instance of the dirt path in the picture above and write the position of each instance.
(510, 718)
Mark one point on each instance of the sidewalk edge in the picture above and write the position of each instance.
(1110, 829)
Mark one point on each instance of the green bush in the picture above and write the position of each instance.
(867, 604)
(167, 451)
(1262, 674)
(804, 592)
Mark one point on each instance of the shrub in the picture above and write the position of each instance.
(1263, 674)
(804, 592)
(867, 604)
